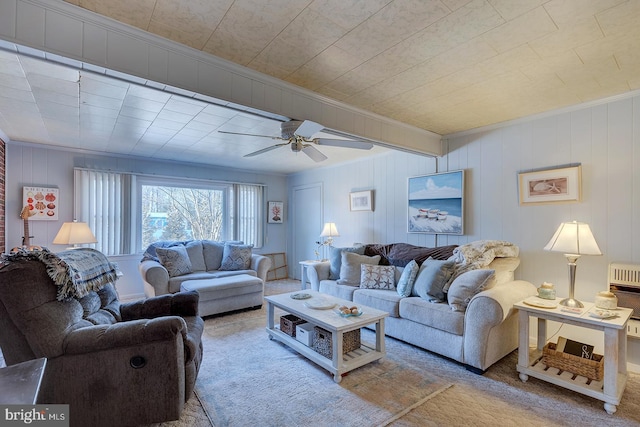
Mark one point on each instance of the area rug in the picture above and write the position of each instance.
(251, 380)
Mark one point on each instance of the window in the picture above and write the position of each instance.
(166, 209)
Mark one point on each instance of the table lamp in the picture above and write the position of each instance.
(74, 233)
(573, 239)
(329, 232)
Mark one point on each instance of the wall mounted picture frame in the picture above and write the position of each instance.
(361, 200)
(43, 202)
(436, 203)
(275, 213)
(557, 185)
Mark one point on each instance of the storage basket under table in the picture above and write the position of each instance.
(288, 324)
(323, 344)
(592, 369)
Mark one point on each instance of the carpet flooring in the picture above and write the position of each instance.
(248, 380)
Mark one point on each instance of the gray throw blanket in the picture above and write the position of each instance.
(76, 272)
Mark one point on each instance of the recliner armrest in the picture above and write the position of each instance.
(124, 334)
(178, 304)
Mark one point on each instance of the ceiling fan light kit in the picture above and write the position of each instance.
(299, 135)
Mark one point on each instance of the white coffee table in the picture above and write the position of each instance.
(329, 320)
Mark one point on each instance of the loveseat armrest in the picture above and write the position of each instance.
(487, 336)
(316, 272)
(261, 265)
(155, 278)
(124, 334)
(178, 304)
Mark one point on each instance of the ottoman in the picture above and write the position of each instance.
(224, 294)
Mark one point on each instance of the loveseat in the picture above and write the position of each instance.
(228, 275)
(163, 272)
(114, 364)
(462, 309)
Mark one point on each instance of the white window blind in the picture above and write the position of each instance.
(101, 200)
(249, 214)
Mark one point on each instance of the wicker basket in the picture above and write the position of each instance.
(589, 368)
(288, 324)
(322, 341)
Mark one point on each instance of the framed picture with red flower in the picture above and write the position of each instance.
(275, 214)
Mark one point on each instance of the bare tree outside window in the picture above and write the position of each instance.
(177, 213)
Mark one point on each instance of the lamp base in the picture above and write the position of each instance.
(570, 302)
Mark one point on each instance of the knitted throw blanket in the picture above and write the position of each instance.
(481, 252)
(76, 272)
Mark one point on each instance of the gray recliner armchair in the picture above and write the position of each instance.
(114, 364)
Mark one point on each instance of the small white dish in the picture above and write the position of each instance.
(602, 314)
(540, 303)
(319, 304)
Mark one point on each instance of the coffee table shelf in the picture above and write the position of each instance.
(340, 363)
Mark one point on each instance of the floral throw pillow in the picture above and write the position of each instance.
(377, 277)
(236, 257)
(175, 259)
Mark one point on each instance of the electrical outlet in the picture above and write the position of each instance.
(633, 328)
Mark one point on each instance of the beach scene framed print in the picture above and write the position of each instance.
(436, 203)
(550, 185)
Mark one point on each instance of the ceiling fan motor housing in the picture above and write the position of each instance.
(289, 128)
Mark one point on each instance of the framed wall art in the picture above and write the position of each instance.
(436, 203)
(361, 200)
(275, 213)
(550, 185)
(43, 202)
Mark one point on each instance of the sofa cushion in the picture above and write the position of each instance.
(432, 277)
(465, 286)
(350, 267)
(331, 287)
(407, 279)
(175, 259)
(377, 277)
(438, 316)
(196, 255)
(236, 257)
(335, 259)
(385, 300)
(212, 252)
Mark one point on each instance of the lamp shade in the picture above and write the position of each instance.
(329, 230)
(74, 233)
(573, 238)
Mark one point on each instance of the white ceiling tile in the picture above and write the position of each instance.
(523, 29)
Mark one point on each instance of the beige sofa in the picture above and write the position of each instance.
(477, 337)
(225, 290)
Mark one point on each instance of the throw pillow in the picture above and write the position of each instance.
(212, 252)
(236, 257)
(175, 259)
(408, 277)
(465, 286)
(350, 267)
(335, 259)
(377, 276)
(194, 250)
(432, 278)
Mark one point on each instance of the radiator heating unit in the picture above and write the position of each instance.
(624, 282)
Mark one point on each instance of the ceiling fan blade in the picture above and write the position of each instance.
(308, 128)
(251, 134)
(360, 145)
(313, 152)
(265, 150)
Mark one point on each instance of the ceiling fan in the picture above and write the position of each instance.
(299, 135)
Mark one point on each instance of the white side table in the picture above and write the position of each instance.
(303, 275)
(611, 387)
